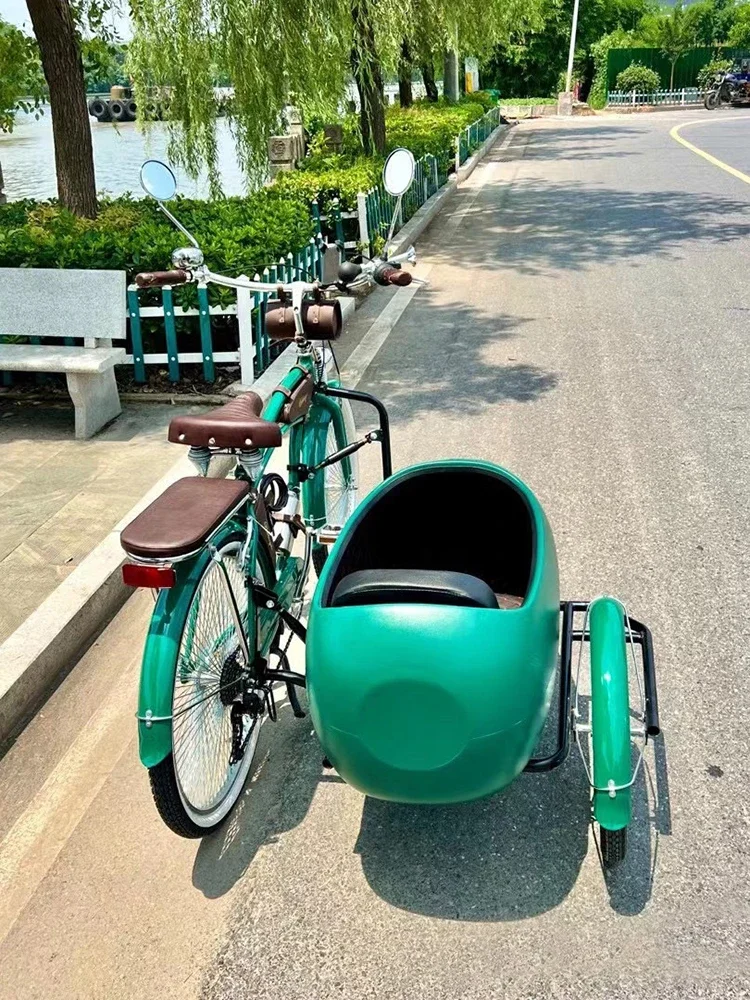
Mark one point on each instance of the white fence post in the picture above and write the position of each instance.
(364, 231)
(683, 95)
(633, 97)
(245, 326)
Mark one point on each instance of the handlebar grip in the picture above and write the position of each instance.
(152, 279)
(395, 276)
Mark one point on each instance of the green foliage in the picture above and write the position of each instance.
(739, 33)
(616, 39)
(483, 97)
(430, 128)
(707, 73)
(531, 61)
(422, 128)
(103, 64)
(238, 235)
(672, 32)
(639, 78)
(21, 79)
(290, 50)
(527, 102)
(324, 180)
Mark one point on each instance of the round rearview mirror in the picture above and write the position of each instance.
(398, 172)
(158, 180)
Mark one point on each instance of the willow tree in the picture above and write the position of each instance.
(277, 52)
(274, 53)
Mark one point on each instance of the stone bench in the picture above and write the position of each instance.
(88, 305)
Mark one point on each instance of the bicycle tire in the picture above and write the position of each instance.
(340, 497)
(207, 668)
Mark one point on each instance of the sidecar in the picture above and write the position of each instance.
(433, 637)
(436, 637)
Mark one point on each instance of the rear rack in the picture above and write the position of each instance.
(636, 633)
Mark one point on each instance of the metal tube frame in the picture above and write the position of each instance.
(384, 426)
(636, 633)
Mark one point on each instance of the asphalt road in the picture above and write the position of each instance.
(586, 324)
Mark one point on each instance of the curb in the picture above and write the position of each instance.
(48, 644)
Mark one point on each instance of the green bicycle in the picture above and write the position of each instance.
(230, 558)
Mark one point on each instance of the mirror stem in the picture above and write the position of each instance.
(396, 214)
(178, 224)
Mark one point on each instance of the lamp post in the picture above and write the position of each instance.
(569, 77)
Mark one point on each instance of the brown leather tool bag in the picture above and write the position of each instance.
(298, 400)
(320, 320)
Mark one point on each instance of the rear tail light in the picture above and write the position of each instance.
(152, 577)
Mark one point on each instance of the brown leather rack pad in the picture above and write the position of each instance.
(235, 425)
(182, 518)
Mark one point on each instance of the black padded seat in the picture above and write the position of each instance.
(413, 586)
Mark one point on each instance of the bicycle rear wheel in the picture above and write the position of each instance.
(198, 783)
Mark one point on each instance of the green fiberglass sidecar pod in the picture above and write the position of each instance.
(436, 642)
(432, 644)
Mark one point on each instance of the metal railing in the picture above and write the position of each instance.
(475, 134)
(683, 97)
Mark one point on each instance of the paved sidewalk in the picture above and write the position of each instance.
(60, 497)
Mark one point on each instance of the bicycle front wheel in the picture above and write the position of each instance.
(197, 784)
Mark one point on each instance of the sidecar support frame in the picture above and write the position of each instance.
(640, 635)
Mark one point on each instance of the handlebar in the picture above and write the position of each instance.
(393, 276)
(384, 272)
(155, 279)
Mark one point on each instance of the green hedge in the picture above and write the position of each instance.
(525, 102)
(424, 128)
(238, 235)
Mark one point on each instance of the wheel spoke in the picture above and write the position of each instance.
(209, 665)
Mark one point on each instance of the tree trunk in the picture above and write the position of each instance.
(63, 70)
(671, 75)
(369, 79)
(405, 96)
(450, 76)
(428, 75)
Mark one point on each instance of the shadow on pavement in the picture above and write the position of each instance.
(508, 857)
(630, 885)
(582, 142)
(438, 359)
(286, 771)
(551, 227)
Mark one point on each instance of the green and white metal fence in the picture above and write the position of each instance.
(672, 98)
(475, 134)
(253, 349)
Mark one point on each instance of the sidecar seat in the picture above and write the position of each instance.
(433, 635)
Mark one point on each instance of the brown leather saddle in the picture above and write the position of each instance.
(237, 424)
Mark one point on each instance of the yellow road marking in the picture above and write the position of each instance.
(675, 133)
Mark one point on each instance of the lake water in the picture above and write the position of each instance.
(28, 159)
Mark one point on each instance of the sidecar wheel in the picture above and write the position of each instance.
(614, 845)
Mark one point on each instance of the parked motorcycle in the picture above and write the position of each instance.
(731, 87)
